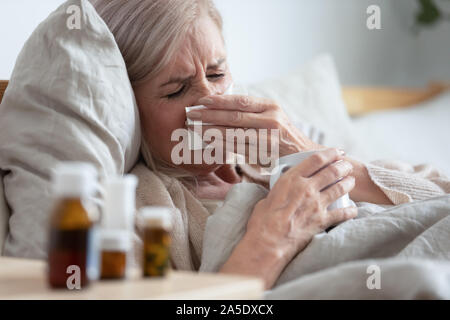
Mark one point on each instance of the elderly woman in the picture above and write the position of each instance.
(176, 57)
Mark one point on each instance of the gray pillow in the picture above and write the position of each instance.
(4, 216)
(69, 99)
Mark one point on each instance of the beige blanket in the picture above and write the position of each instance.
(188, 215)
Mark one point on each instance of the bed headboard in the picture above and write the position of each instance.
(362, 100)
(3, 85)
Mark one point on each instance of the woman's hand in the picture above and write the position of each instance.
(295, 210)
(246, 112)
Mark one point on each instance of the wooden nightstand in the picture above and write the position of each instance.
(26, 279)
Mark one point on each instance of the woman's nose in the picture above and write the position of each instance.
(207, 89)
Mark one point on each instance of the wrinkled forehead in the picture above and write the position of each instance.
(202, 46)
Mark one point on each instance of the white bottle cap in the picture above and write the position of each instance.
(156, 217)
(115, 240)
(120, 203)
(74, 179)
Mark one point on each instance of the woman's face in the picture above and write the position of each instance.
(199, 69)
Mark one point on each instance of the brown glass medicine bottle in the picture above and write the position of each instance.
(71, 228)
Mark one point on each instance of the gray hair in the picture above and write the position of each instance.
(149, 33)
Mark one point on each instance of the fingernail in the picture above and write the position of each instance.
(194, 115)
(342, 152)
(205, 100)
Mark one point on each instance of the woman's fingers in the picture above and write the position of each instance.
(235, 111)
(250, 152)
(253, 113)
(237, 103)
(257, 147)
(227, 118)
(334, 172)
(316, 162)
(337, 216)
(337, 190)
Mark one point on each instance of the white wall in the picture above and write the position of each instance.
(266, 38)
(18, 19)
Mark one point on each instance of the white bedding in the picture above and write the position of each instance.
(410, 244)
(415, 135)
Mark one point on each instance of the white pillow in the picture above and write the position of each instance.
(313, 95)
(69, 98)
(416, 135)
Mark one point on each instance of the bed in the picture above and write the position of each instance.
(31, 145)
(405, 121)
(409, 125)
(334, 258)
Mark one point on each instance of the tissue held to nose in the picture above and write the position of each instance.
(195, 141)
(190, 122)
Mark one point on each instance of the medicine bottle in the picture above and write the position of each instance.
(156, 247)
(117, 226)
(115, 245)
(71, 251)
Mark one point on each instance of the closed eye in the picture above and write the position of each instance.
(176, 94)
(182, 89)
(216, 76)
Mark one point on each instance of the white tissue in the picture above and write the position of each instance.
(190, 122)
(195, 140)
